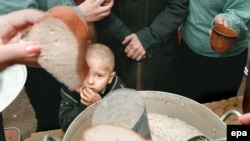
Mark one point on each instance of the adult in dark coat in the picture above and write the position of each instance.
(145, 32)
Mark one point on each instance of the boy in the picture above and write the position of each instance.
(101, 79)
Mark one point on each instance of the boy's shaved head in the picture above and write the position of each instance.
(100, 51)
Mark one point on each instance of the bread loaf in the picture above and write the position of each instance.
(63, 36)
(105, 132)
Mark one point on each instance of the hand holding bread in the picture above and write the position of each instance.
(63, 36)
(14, 23)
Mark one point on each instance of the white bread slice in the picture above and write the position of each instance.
(63, 37)
(106, 132)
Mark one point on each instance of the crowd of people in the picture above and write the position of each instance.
(47, 100)
(148, 37)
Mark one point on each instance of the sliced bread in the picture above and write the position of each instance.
(106, 132)
(63, 36)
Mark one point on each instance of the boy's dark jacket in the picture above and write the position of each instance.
(71, 106)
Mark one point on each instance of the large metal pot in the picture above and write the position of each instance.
(164, 103)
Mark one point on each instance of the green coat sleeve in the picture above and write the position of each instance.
(7, 6)
(70, 107)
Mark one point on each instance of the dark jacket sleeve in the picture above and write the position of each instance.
(112, 27)
(165, 24)
(159, 32)
(70, 107)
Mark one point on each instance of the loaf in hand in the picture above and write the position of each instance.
(63, 36)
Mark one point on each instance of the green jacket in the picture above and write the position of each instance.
(202, 13)
(7, 6)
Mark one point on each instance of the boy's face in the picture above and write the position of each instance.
(99, 75)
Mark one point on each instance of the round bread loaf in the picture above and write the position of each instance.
(63, 36)
(105, 132)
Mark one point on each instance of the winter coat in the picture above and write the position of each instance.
(156, 23)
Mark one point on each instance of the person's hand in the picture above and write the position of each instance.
(219, 21)
(88, 96)
(12, 25)
(19, 53)
(244, 119)
(134, 48)
(95, 10)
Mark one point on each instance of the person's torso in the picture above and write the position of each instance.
(11, 5)
(195, 31)
(138, 13)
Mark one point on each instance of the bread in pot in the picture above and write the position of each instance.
(106, 132)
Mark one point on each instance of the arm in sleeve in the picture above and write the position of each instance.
(165, 24)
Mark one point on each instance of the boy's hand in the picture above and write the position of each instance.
(88, 96)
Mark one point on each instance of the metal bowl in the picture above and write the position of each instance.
(164, 103)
